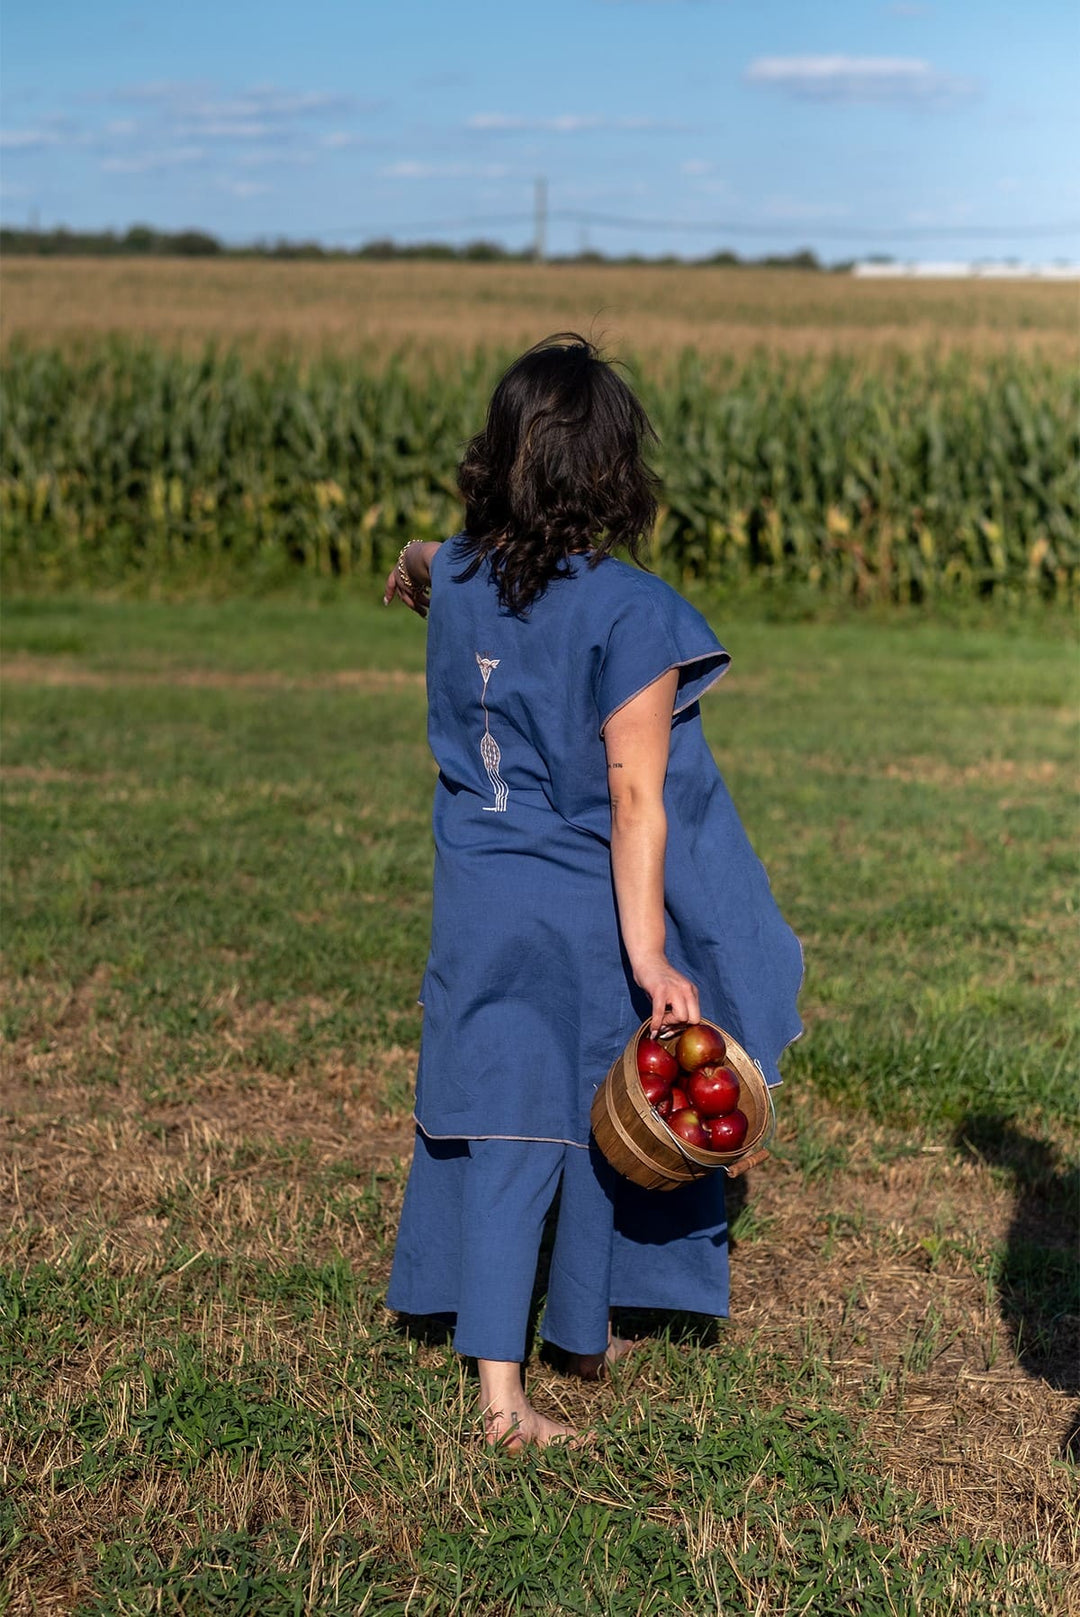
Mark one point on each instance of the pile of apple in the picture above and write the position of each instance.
(692, 1090)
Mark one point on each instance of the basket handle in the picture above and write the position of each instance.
(753, 1160)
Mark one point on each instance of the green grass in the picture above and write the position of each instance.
(908, 786)
(739, 1482)
(217, 893)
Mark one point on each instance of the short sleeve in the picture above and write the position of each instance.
(656, 630)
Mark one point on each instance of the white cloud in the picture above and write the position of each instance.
(198, 111)
(230, 129)
(196, 98)
(406, 169)
(877, 79)
(272, 157)
(509, 121)
(564, 123)
(270, 102)
(147, 162)
(165, 125)
(243, 189)
(695, 166)
(161, 91)
(28, 140)
(339, 139)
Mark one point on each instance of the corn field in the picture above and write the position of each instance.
(128, 463)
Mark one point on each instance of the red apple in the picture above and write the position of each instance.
(727, 1133)
(713, 1090)
(679, 1100)
(655, 1087)
(687, 1125)
(699, 1046)
(652, 1058)
(663, 1108)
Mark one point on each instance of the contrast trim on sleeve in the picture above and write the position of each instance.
(684, 698)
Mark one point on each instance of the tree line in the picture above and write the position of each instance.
(143, 241)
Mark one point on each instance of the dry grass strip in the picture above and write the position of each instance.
(449, 308)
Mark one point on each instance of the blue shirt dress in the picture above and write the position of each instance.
(528, 995)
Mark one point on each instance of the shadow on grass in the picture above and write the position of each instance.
(1038, 1281)
(429, 1330)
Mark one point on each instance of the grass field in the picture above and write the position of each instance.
(216, 896)
(449, 309)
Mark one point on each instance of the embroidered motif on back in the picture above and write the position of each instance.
(489, 747)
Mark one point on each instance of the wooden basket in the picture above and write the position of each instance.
(639, 1145)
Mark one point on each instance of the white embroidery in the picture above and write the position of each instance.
(489, 747)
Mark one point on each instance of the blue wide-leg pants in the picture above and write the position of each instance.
(473, 1219)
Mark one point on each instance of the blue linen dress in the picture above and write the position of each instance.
(527, 994)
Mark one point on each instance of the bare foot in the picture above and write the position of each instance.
(591, 1366)
(513, 1429)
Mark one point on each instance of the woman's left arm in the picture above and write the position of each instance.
(413, 565)
(636, 739)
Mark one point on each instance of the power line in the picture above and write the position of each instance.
(731, 227)
(713, 227)
(474, 221)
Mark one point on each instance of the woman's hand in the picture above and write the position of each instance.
(415, 561)
(674, 997)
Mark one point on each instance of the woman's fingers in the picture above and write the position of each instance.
(675, 1002)
(666, 1011)
(415, 597)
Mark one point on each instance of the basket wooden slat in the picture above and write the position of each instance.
(639, 1145)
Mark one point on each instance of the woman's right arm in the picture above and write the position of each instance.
(416, 559)
(636, 739)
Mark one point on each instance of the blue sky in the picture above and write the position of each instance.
(844, 125)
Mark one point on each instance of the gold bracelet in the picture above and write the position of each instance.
(405, 576)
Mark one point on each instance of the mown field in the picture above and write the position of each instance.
(448, 309)
(216, 897)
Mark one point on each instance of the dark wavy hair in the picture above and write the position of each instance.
(557, 470)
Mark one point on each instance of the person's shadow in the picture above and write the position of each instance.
(1038, 1284)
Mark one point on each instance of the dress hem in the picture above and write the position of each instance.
(526, 1139)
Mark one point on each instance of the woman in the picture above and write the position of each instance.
(590, 870)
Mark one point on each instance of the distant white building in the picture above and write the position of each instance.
(959, 269)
